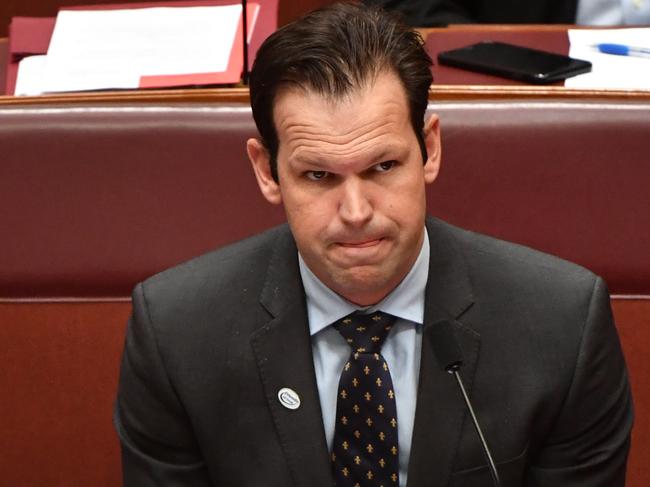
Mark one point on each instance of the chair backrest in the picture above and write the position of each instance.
(95, 198)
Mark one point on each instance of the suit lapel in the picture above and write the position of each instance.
(282, 349)
(440, 410)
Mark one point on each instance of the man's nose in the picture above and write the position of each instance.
(355, 206)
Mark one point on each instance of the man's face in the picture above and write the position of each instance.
(352, 181)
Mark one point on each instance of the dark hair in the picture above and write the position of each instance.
(332, 51)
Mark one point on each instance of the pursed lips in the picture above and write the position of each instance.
(361, 244)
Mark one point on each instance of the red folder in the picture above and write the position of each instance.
(233, 72)
(27, 36)
(31, 35)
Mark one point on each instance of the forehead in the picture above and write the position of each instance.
(309, 123)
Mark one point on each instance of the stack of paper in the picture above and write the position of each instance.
(611, 71)
(139, 48)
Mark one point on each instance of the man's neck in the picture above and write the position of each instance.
(406, 301)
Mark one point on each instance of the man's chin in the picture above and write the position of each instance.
(362, 285)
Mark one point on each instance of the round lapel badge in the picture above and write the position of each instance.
(289, 398)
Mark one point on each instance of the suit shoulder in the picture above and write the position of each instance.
(518, 265)
(218, 270)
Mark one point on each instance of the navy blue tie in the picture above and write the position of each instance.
(364, 451)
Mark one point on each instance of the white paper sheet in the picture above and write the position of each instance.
(102, 49)
(610, 71)
(29, 81)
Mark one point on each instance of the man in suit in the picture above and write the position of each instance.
(429, 13)
(244, 367)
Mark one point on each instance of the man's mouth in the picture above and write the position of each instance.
(361, 244)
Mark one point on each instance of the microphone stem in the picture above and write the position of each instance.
(492, 467)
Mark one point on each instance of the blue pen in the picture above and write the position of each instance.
(623, 50)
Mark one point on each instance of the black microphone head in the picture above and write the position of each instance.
(445, 345)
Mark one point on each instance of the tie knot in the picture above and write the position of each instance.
(365, 333)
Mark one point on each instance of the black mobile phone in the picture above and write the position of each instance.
(515, 62)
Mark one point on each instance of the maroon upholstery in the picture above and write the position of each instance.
(567, 178)
(96, 198)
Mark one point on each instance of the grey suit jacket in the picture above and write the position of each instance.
(211, 342)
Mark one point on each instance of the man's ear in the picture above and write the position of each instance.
(261, 161)
(432, 143)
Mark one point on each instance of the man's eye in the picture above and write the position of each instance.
(385, 166)
(317, 175)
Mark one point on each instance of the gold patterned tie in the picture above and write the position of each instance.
(364, 451)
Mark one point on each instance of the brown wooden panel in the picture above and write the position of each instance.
(59, 365)
(58, 375)
(633, 322)
(290, 10)
(241, 95)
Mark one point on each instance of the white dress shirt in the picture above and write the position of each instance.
(613, 12)
(401, 348)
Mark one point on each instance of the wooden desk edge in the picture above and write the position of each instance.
(509, 92)
(241, 95)
(201, 95)
(488, 28)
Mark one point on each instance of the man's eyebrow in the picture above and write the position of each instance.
(389, 152)
(308, 160)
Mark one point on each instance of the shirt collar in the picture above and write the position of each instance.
(406, 301)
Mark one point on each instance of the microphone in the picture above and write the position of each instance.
(450, 358)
